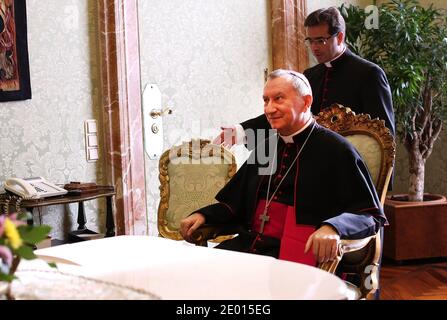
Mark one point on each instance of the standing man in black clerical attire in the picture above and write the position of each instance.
(340, 77)
(315, 191)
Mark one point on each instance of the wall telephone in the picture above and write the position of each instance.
(33, 188)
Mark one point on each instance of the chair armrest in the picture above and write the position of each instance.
(210, 231)
(345, 246)
(355, 245)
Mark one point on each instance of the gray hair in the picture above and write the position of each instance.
(298, 80)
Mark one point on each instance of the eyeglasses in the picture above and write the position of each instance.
(321, 41)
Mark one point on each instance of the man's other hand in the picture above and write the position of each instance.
(190, 224)
(324, 243)
(227, 137)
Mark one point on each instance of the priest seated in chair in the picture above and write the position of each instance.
(315, 191)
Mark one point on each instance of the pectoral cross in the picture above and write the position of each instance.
(264, 218)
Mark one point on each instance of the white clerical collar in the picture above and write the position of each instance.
(289, 139)
(328, 64)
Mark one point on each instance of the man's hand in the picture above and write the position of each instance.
(227, 137)
(324, 242)
(190, 224)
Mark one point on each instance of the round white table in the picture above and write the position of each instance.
(169, 269)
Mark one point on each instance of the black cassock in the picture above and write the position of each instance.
(351, 81)
(329, 183)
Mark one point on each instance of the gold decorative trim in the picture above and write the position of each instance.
(345, 122)
(195, 150)
(9, 200)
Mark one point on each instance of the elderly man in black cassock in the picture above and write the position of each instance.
(315, 191)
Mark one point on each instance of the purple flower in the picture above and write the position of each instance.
(6, 255)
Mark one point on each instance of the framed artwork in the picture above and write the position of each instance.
(14, 65)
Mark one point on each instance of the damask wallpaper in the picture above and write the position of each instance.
(208, 59)
(44, 136)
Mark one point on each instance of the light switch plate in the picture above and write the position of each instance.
(93, 154)
(91, 140)
(91, 126)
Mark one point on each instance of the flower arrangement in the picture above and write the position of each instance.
(17, 241)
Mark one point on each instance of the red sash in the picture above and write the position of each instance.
(282, 225)
(293, 241)
(277, 215)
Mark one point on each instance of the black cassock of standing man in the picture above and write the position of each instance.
(340, 77)
(319, 191)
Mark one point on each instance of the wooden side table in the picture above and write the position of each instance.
(101, 191)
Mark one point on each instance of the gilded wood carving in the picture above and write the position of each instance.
(345, 122)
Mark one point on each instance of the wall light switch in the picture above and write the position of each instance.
(91, 126)
(91, 140)
(93, 154)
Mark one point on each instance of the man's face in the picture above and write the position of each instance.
(284, 108)
(333, 45)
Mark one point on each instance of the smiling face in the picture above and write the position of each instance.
(285, 109)
(333, 45)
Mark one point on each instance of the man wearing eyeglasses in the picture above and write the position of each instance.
(340, 77)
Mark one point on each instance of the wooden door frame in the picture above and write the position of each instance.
(121, 96)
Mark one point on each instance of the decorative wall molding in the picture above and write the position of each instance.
(121, 107)
(288, 34)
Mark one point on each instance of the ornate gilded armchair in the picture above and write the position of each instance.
(190, 176)
(376, 145)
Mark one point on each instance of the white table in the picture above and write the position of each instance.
(177, 270)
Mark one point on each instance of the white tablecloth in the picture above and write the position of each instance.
(177, 270)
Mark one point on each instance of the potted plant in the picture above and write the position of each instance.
(410, 44)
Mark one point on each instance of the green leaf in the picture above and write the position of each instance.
(7, 277)
(34, 235)
(26, 252)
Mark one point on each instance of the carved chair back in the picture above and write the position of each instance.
(370, 137)
(190, 176)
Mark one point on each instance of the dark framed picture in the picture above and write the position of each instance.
(14, 65)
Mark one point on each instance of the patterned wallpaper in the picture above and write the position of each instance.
(207, 57)
(44, 136)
